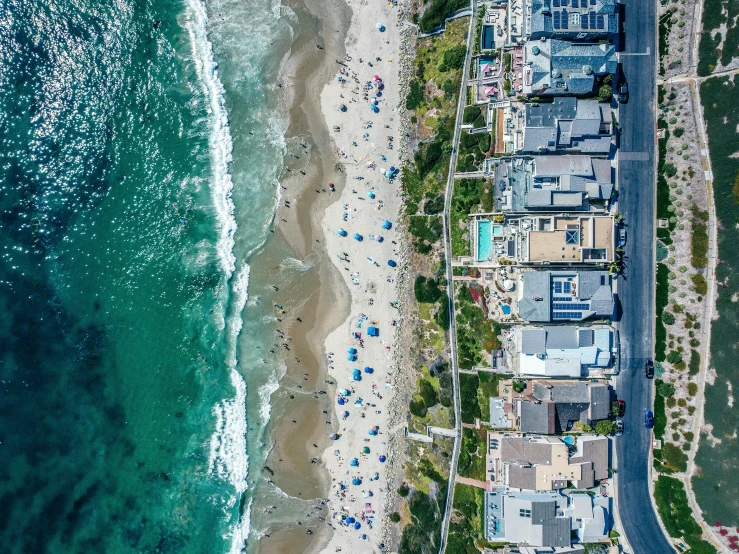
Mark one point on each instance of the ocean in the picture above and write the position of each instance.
(142, 142)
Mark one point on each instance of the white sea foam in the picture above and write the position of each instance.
(221, 145)
(265, 393)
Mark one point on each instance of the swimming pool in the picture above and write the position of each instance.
(497, 230)
(484, 240)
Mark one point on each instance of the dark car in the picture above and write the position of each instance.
(649, 369)
(623, 93)
(621, 407)
(619, 427)
(649, 419)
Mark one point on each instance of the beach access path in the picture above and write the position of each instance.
(450, 284)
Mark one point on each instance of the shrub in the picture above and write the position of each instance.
(426, 290)
(428, 393)
(418, 408)
(442, 314)
(669, 169)
(699, 240)
(605, 93)
(674, 357)
(678, 132)
(689, 436)
(454, 57)
(470, 114)
(692, 389)
(605, 427)
(665, 389)
(668, 318)
(416, 95)
(695, 363)
(403, 490)
(519, 385)
(395, 517)
(479, 122)
(673, 457)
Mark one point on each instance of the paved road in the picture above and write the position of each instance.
(636, 293)
(446, 516)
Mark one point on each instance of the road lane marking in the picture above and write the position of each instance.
(633, 156)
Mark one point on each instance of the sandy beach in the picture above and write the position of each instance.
(369, 259)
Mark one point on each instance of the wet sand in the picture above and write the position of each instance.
(318, 298)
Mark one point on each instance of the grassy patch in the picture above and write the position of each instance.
(466, 196)
(466, 527)
(476, 334)
(472, 454)
(660, 417)
(673, 508)
(470, 408)
(437, 11)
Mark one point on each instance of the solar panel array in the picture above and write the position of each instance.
(567, 315)
(575, 3)
(565, 22)
(571, 306)
(584, 22)
(592, 20)
(601, 22)
(556, 20)
(561, 287)
(555, 3)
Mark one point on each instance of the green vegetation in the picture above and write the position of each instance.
(662, 292)
(675, 512)
(605, 93)
(466, 196)
(421, 535)
(472, 454)
(426, 230)
(468, 385)
(476, 334)
(471, 113)
(466, 527)
(437, 12)
(453, 58)
(426, 290)
(473, 148)
(716, 14)
(605, 427)
(699, 242)
(692, 389)
(700, 284)
(674, 458)
(660, 417)
(694, 366)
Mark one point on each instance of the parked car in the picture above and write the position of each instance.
(619, 427)
(649, 369)
(649, 419)
(622, 237)
(623, 92)
(621, 407)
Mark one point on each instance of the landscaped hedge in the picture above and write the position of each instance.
(677, 516)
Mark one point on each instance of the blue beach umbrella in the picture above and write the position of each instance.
(341, 401)
(350, 520)
(374, 108)
(382, 458)
(389, 174)
(354, 462)
(371, 194)
(391, 263)
(356, 481)
(341, 232)
(373, 331)
(358, 237)
(386, 224)
(352, 350)
(369, 370)
(357, 525)
(378, 238)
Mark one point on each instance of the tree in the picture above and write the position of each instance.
(404, 490)
(519, 385)
(665, 389)
(395, 517)
(605, 427)
(674, 357)
(605, 93)
(668, 318)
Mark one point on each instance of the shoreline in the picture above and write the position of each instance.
(297, 428)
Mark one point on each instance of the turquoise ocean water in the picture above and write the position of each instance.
(140, 149)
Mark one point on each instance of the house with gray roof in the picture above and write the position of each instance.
(563, 350)
(550, 183)
(561, 68)
(574, 20)
(546, 296)
(535, 462)
(567, 126)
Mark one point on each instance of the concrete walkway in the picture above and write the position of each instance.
(472, 482)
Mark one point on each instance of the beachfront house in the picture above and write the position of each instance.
(564, 351)
(573, 20)
(550, 183)
(545, 518)
(566, 126)
(538, 463)
(562, 295)
(561, 68)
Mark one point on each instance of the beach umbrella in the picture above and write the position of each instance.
(366, 450)
(371, 194)
(376, 78)
(358, 237)
(369, 370)
(377, 476)
(382, 458)
(345, 414)
(372, 432)
(341, 232)
(350, 520)
(341, 401)
(354, 462)
(357, 377)
(356, 481)
(333, 436)
(393, 169)
(391, 263)
(373, 331)
(386, 224)
(378, 238)
(380, 26)
(389, 174)
(374, 100)
(357, 525)
(342, 107)
(374, 108)
(344, 392)
(352, 351)
(358, 402)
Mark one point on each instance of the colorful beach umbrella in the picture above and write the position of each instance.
(356, 481)
(386, 224)
(354, 462)
(358, 237)
(366, 450)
